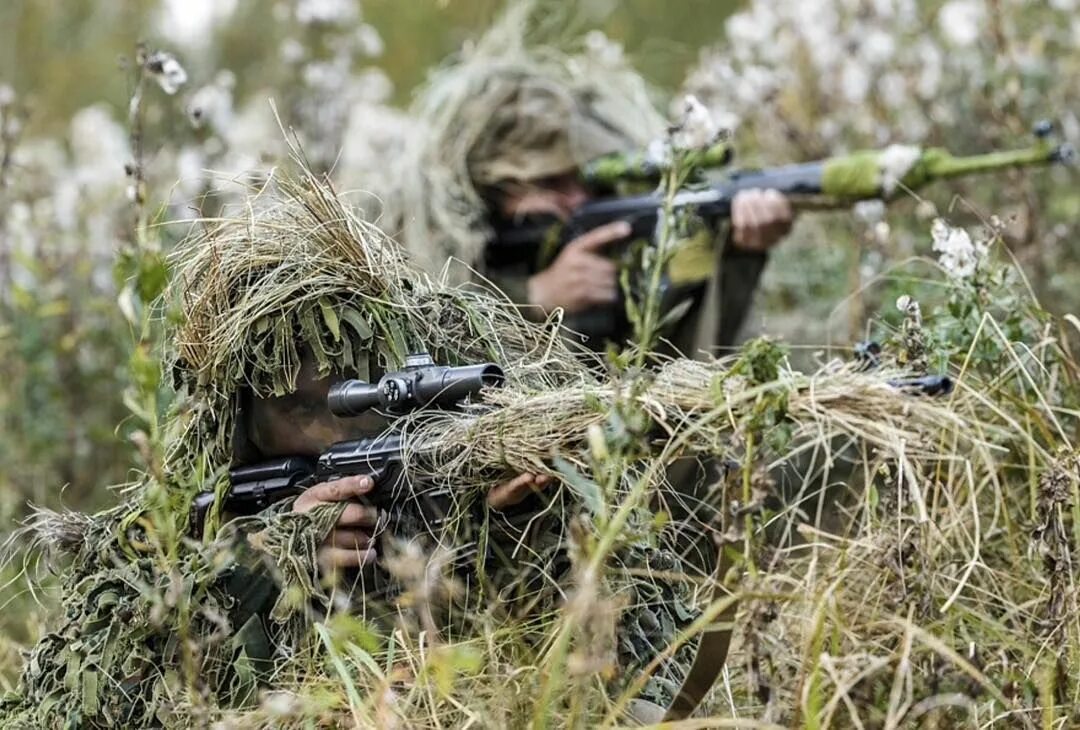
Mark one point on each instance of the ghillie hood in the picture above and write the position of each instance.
(520, 104)
(303, 273)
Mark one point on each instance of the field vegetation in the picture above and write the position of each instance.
(895, 559)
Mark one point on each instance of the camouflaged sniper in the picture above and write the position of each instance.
(301, 274)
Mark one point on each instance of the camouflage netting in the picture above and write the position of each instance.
(511, 107)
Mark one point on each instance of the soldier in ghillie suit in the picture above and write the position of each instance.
(501, 134)
(163, 628)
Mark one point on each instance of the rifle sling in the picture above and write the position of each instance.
(712, 651)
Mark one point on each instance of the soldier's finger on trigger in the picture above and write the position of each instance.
(738, 218)
(338, 490)
(338, 557)
(600, 237)
(350, 539)
(358, 515)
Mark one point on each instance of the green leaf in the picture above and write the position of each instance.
(153, 275)
(584, 488)
(356, 320)
(331, 319)
(145, 369)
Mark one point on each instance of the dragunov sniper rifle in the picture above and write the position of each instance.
(530, 245)
(420, 385)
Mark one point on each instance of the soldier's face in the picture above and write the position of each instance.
(300, 424)
(557, 195)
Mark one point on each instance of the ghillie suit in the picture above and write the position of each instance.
(159, 629)
(524, 104)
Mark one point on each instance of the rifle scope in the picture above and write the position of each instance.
(419, 384)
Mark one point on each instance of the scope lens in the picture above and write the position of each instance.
(352, 397)
(492, 376)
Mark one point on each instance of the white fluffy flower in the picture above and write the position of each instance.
(855, 82)
(166, 70)
(698, 129)
(960, 21)
(931, 69)
(368, 41)
(292, 51)
(959, 256)
(328, 12)
(213, 104)
(869, 212)
(895, 161)
(878, 47)
(325, 75)
(371, 86)
(892, 89)
(602, 49)
(99, 147)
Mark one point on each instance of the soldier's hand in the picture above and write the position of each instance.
(351, 543)
(512, 492)
(581, 276)
(759, 219)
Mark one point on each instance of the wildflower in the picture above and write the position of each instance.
(855, 82)
(698, 129)
(368, 41)
(281, 703)
(326, 75)
(892, 89)
(213, 104)
(959, 257)
(878, 47)
(166, 70)
(326, 12)
(292, 51)
(895, 161)
(869, 211)
(959, 21)
(931, 69)
(602, 49)
(372, 86)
